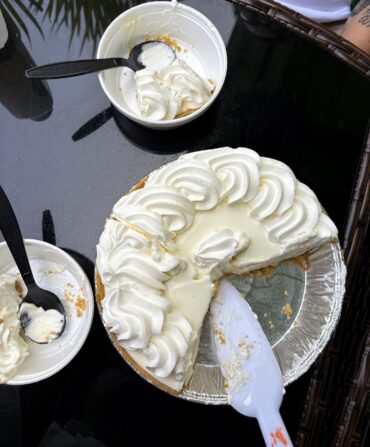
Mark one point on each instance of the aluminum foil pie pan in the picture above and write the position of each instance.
(298, 309)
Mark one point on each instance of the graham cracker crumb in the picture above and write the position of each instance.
(100, 291)
(18, 288)
(232, 370)
(165, 38)
(185, 113)
(265, 271)
(140, 184)
(246, 348)
(287, 309)
(300, 261)
(220, 335)
(80, 305)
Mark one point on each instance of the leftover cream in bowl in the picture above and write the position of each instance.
(164, 95)
(23, 361)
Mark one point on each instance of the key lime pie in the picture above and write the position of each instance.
(168, 241)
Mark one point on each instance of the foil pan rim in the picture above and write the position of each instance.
(325, 279)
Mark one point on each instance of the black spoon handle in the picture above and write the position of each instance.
(13, 237)
(74, 68)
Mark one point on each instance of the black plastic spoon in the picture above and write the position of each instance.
(35, 295)
(77, 68)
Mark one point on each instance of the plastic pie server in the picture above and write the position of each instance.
(253, 379)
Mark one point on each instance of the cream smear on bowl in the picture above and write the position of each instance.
(163, 92)
(53, 270)
(42, 326)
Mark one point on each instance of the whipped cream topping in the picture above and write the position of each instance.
(13, 349)
(219, 247)
(41, 326)
(237, 169)
(134, 306)
(194, 180)
(169, 91)
(171, 209)
(206, 214)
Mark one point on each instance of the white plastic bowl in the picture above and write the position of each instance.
(56, 271)
(205, 53)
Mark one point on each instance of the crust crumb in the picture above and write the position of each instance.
(18, 288)
(220, 335)
(140, 184)
(80, 305)
(165, 38)
(100, 292)
(300, 261)
(287, 309)
(185, 113)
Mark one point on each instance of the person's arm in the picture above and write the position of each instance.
(357, 28)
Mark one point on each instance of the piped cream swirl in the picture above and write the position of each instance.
(134, 270)
(276, 192)
(237, 169)
(193, 179)
(171, 209)
(220, 246)
(166, 352)
(134, 316)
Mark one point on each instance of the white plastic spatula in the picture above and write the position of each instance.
(253, 380)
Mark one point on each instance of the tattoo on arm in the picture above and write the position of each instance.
(365, 19)
(362, 4)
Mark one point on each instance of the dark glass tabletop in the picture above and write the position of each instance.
(64, 148)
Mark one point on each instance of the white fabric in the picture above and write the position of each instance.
(3, 31)
(320, 10)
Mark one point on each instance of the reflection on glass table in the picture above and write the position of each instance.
(22, 97)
